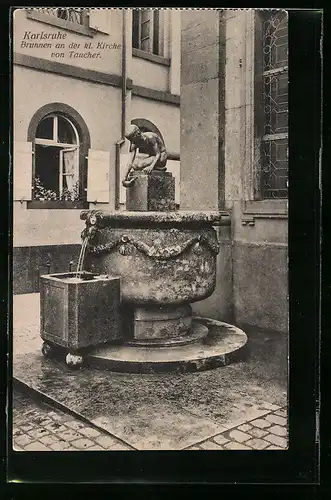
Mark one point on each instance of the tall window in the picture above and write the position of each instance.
(56, 160)
(274, 178)
(146, 30)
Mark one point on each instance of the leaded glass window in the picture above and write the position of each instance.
(275, 101)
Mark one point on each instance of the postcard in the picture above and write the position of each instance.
(150, 229)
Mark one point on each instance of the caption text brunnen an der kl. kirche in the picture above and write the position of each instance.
(41, 40)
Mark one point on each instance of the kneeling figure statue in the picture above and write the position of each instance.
(154, 154)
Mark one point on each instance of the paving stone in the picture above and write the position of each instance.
(56, 427)
(24, 440)
(270, 406)
(279, 431)
(75, 424)
(20, 421)
(257, 444)
(273, 447)
(41, 420)
(210, 445)
(236, 446)
(69, 435)
(48, 440)
(193, 448)
(106, 441)
(59, 446)
(220, 439)
(239, 436)
(31, 414)
(82, 443)
(96, 447)
(275, 419)
(38, 433)
(89, 432)
(245, 427)
(18, 432)
(26, 427)
(281, 413)
(36, 446)
(277, 440)
(261, 423)
(256, 432)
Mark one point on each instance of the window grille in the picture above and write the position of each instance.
(75, 15)
(275, 100)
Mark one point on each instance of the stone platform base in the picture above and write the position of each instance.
(221, 345)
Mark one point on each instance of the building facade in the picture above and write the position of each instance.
(212, 83)
(80, 76)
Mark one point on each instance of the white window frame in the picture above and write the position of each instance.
(62, 147)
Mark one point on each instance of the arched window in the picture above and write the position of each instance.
(60, 142)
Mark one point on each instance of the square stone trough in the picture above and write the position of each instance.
(78, 311)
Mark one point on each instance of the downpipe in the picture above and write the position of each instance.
(120, 142)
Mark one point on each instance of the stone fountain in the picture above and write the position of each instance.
(166, 260)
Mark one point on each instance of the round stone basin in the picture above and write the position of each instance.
(163, 258)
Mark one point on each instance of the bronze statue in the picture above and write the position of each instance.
(152, 154)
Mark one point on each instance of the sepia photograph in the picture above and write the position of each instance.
(150, 229)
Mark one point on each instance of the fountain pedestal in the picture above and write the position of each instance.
(162, 322)
(154, 192)
(166, 260)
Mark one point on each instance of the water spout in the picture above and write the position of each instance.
(81, 256)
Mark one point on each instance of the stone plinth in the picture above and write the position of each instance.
(216, 344)
(162, 322)
(155, 191)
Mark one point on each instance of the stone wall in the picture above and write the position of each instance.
(202, 139)
(217, 168)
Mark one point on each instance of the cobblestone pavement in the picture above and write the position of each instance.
(266, 433)
(39, 427)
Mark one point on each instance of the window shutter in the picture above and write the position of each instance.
(100, 20)
(173, 166)
(98, 176)
(22, 171)
(146, 30)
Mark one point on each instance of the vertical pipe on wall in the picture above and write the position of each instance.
(121, 141)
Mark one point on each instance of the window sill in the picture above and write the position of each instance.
(57, 205)
(263, 209)
(60, 23)
(150, 57)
